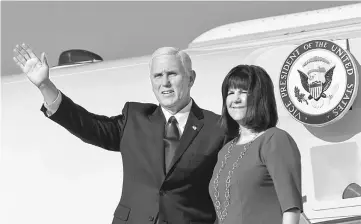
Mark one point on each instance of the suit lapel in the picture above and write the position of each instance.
(193, 126)
(158, 123)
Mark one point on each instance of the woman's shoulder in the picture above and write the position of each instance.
(276, 133)
(277, 141)
(276, 136)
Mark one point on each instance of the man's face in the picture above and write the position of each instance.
(171, 84)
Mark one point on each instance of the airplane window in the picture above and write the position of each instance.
(77, 56)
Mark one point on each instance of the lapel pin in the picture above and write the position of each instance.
(194, 127)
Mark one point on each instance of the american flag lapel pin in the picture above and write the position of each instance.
(194, 127)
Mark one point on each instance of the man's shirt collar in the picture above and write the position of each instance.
(181, 116)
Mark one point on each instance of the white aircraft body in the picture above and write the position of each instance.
(50, 176)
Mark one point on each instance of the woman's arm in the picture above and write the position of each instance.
(283, 161)
(291, 216)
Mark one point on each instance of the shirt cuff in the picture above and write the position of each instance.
(53, 107)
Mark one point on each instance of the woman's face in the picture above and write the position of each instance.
(236, 102)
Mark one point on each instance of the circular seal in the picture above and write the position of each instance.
(318, 82)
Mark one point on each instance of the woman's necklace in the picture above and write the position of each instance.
(222, 214)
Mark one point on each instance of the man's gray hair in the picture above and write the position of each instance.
(182, 55)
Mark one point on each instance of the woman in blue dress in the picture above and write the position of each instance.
(257, 179)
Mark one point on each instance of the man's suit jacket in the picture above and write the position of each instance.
(180, 196)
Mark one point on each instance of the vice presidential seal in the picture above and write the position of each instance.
(318, 82)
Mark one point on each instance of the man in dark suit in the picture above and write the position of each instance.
(169, 150)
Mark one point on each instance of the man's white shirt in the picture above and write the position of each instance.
(181, 116)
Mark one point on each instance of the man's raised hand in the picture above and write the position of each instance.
(36, 69)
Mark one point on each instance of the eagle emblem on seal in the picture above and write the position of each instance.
(317, 78)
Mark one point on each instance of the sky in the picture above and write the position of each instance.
(122, 29)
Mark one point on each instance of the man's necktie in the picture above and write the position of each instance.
(171, 141)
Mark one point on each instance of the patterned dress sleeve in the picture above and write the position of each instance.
(283, 161)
